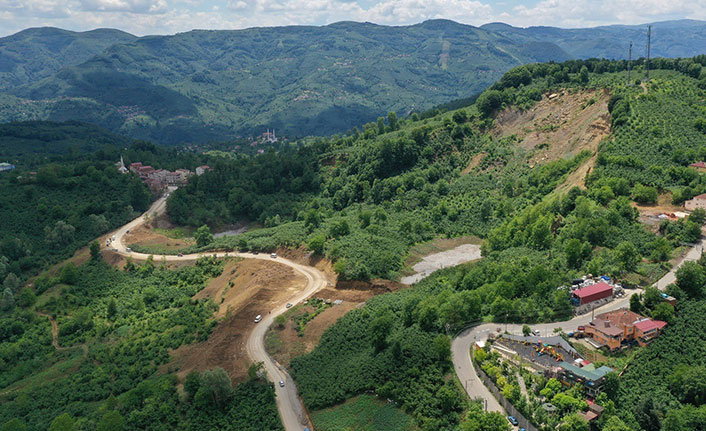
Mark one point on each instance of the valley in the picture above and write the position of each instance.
(372, 264)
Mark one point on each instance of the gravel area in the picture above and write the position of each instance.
(461, 254)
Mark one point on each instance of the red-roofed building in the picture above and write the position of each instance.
(697, 202)
(647, 330)
(698, 165)
(592, 293)
(617, 328)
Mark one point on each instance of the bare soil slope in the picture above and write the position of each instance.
(245, 289)
(559, 126)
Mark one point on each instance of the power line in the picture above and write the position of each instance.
(649, 40)
(629, 61)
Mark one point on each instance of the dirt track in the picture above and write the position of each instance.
(290, 407)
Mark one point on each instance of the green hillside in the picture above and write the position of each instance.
(374, 194)
(205, 85)
(37, 53)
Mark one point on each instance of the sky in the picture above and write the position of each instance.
(142, 17)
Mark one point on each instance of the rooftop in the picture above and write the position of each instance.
(593, 289)
(700, 197)
(698, 165)
(648, 325)
(586, 374)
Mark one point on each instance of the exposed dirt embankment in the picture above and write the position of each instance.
(561, 125)
(287, 342)
(245, 289)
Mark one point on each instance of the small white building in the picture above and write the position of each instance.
(697, 202)
(6, 167)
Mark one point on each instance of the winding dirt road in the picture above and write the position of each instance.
(290, 407)
(461, 345)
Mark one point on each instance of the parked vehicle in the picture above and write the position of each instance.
(281, 383)
(180, 254)
(273, 255)
(512, 420)
(258, 318)
(536, 333)
(129, 250)
(289, 305)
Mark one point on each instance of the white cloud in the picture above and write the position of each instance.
(170, 16)
(132, 6)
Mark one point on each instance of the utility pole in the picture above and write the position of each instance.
(629, 61)
(649, 40)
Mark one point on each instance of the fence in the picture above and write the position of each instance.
(507, 405)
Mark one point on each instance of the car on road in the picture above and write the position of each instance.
(180, 254)
(129, 250)
(536, 333)
(115, 250)
(255, 252)
(273, 255)
(281, 383)
(289, 305)
(258, 318)
(127, 231)
(512, 420)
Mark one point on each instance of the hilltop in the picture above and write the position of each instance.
(206, 85)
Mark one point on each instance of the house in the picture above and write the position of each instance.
(616, 329)
(5, 167)
(698, 166)
(590, 378)
(269, 136)
(592, 293)
(135, 166)
(202, 170)
(145, 171)
(647, 330)
(697, 202)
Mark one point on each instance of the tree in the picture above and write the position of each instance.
(482, 421)
(691, 279)
(26, 298)
(203, 236)
(63, 422)
(663, 311)
(651, 297)
(442, 347)
(216, 389)
(111, 421)
(698, 216)
(60, 235)
(381, 125)
(192, 383)
(95, 250)
(611, 385)
(112, 309)
(526, 330)
(379, 330)
(69, 274)
(11, 282)
(573, 422)
(660, 248)
(7, 302)
(98, 224)
(489, 101)
(339, 229)
(14, 424)
(626, 253)
(583, 75)
(392, 121)
(644, 194)
(317, 244)
(635, 303)
(614, 423)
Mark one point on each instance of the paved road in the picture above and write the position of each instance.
(461, 345)
(290, 407)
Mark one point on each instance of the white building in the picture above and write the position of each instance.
(6, 167)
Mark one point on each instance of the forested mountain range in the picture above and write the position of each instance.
(212, 85)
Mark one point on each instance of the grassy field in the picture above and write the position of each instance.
(363, 413)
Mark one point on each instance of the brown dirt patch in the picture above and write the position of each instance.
(145, 236)
(304, 256)
(419, 251)
(475, 161)
(284, 344)
(577, 178)
(559, 127)
(256, 287)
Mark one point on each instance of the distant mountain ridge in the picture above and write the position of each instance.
(206, 85)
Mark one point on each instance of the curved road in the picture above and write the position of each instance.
(461, 345)
(290, 407)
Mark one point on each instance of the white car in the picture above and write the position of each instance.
(281, 383)
(258, 318)
(273, 255)
(289, 305)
